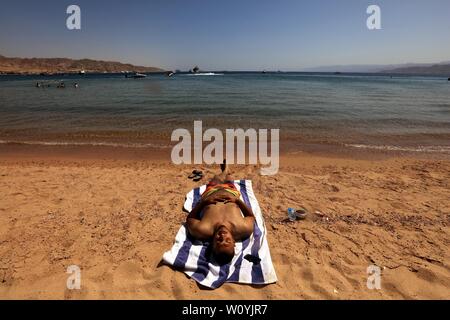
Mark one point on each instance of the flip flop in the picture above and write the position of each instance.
(195, 174)
(253, 259)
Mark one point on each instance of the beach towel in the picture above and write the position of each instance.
(251, 264)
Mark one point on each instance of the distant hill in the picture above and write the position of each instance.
(362, 68)
(435, 69)
(65, 65)
(425, 68)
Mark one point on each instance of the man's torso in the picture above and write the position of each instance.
(223, 213)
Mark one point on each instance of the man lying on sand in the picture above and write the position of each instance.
(222, 221)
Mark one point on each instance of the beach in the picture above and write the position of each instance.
(247, 151)
(114, 211)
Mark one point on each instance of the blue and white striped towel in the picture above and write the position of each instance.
(190, 255)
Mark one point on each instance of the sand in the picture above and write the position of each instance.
(114, 218)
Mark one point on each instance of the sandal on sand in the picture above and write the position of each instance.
(195, 174)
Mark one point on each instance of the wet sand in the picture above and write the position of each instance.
(115, 211)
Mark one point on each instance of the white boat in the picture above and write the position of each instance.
(82, 72)
(139, 75)
(136, 75)
(205, 74)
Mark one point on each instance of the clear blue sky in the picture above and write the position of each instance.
(229, 34)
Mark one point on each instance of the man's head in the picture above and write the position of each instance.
(223, 245)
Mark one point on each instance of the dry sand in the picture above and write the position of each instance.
(115, 219)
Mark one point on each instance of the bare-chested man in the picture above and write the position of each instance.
(226, 218)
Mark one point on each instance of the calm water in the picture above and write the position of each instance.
(358, 110)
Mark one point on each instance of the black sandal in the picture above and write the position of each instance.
(196, 175)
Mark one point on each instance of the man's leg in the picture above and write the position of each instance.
(225, 172)
(229, 178)
(217, 179)
(223, 176)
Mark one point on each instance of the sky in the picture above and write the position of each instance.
(286, 35)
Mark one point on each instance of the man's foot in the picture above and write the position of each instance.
(224, 166)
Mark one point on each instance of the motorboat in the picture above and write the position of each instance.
(136, 75)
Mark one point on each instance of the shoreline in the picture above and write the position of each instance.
(159, 151)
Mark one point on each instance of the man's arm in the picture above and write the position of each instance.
(249, 218)
(193, 223)
(198, 230)
(196, 210)
(199, 207)
(245, 209)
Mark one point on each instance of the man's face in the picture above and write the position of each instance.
(223, 241)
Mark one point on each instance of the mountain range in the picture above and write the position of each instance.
(442, 68)
(66, 65)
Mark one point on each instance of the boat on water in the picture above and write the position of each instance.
(136, 75)
(196, 69)
(82, 72)
(139, 75)
(197, 72)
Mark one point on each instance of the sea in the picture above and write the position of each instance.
(359, 111)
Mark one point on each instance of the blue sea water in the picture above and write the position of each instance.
(359, 110)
